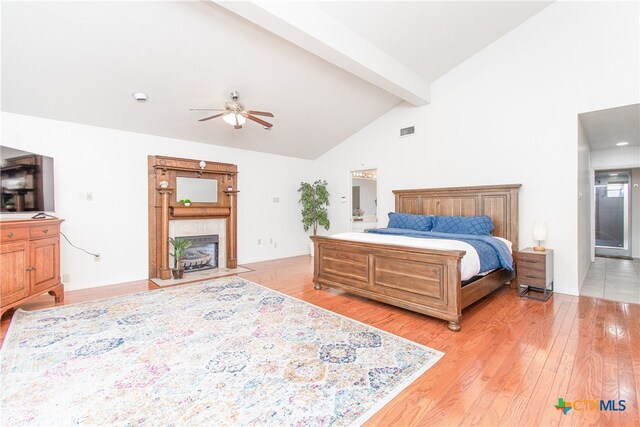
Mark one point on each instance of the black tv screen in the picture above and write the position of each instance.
(27, 181)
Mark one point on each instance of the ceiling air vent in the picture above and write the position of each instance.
(407, 131)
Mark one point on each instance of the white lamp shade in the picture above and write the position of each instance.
(231, 119)
(539, 230)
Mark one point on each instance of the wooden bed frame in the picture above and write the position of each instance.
(423, 280)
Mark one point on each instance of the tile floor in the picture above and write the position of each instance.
(613, 279)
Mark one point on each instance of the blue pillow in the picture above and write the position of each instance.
(410, 222)
(463, 224)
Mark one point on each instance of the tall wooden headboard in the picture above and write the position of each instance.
(499, 202)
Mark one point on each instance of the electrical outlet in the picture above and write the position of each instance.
(259, 241)
(276, 200)
(270, 240)
(89, 196)
(97, 258)
(66, 278)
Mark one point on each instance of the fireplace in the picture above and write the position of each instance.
(202, 254)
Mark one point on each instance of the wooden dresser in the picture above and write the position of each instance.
(29, 261)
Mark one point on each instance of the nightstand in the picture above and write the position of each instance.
(535, 273)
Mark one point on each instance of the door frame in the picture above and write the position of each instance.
(363, 168)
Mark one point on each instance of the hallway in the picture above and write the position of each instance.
(613, 279)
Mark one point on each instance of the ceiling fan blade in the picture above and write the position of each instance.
(205, 109)
(212, 117)
(257, 120)
(237, 125)
(260, 113)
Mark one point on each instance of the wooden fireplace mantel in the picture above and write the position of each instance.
(164, 206)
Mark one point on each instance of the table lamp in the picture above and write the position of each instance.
(539, 234)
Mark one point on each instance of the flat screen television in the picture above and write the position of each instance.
(27, 181)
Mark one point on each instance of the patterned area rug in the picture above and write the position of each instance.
(224, 352)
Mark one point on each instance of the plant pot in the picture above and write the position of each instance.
(177, 273)
(187, 204)
(311, 248)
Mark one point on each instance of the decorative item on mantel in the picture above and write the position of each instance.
(539, 234)
(164, 184)
(315, 199)
(229, 187)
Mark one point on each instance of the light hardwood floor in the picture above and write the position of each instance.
(508, 365)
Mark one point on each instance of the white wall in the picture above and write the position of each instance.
(585, 186)
(113, 166)
(508, 115)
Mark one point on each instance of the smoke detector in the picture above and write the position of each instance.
(139, 96)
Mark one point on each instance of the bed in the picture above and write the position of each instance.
(423, 280)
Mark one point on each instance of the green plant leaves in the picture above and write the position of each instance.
(314, 199)
(179, 249)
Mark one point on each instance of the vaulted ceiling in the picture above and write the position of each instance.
(325, 69)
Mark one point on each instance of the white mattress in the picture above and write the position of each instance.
(470, 263)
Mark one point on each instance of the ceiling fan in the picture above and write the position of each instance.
(235, 114)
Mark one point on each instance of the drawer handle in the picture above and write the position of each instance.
(532, 277)
(45, 231)
(10, 235)
(31, 268)
(530, 261)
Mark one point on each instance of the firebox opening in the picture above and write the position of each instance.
(202, 254)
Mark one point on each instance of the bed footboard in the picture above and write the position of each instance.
(426, 281)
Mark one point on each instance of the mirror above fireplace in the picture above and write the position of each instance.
(204, 190)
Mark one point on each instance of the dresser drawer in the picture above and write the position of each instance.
(532, 278)
(10, 234)
(42, 231)
(532, 260)
(532, 268)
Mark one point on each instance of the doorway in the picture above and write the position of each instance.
(612, 213)
(364, 199)
(614, 274)
(609, 203)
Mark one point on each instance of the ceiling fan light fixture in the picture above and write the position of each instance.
(236, 115)
(231, 119)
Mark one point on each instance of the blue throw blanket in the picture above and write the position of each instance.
(493, 253)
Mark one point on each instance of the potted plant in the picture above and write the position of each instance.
(179, 251)
(185, 202)
(314, 199)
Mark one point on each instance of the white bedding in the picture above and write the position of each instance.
(470, 263)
